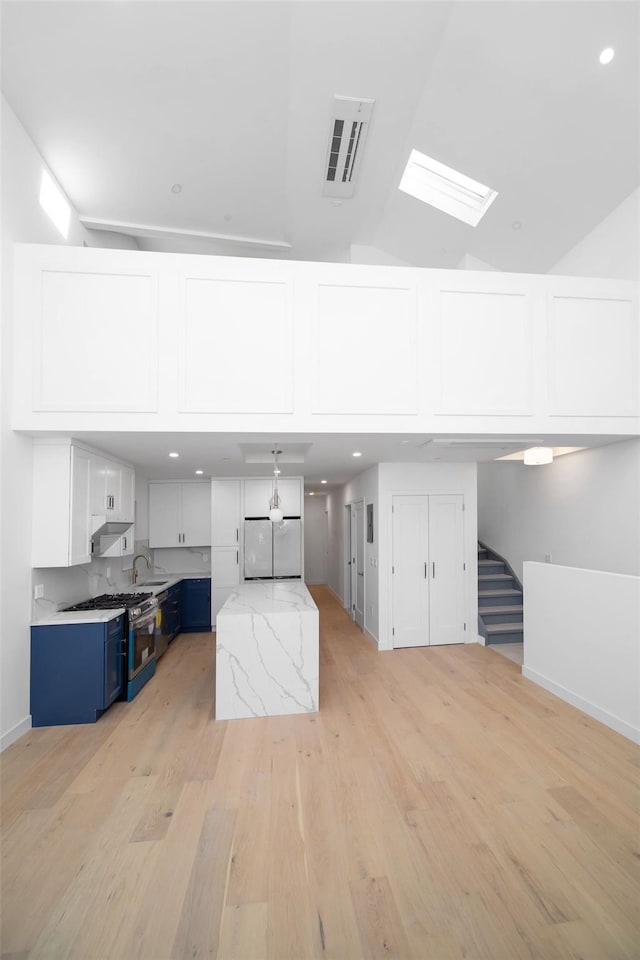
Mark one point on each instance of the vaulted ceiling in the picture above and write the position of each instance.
(232, 101)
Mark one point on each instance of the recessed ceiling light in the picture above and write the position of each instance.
(199, 471)
(607, 55)
(176, 188)
(536, 456)
(312, 494)
(356, 453)
(446, 189)
(174, 454)
(323, 481)
(54, 203)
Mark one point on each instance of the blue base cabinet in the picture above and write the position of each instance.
(196, 605)
(173, 611)
(76, 671)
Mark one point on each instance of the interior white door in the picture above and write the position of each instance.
(358, 553)
(446, 553)
(410, 565)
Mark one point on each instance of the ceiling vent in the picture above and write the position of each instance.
(347, 134)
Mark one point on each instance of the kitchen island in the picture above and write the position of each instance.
(267, 651)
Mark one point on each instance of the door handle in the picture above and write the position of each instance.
(433, 570)
(361, 574)
(425, 569)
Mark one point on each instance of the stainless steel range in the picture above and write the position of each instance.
(140, 640)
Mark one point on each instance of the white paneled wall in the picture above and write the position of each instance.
(244, 344)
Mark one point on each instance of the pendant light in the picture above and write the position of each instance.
(275, 511)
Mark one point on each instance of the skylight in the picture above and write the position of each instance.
(446, 189)
(53, 202)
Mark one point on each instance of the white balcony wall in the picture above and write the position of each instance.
(581, 630)
(243, 344)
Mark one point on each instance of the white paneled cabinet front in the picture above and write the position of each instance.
(225, 513)
(61, 534)
(241, 312)
(365, 343)
(421, 350)
(179, 514)
(427, 570)
(87, 313)
(112, 490)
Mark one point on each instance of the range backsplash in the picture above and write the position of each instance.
(64, 586)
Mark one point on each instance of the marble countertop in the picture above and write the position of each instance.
(170, 579)
(268, 596)
(103, 616)
(79, 616)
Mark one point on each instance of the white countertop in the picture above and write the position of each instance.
(268, 596)
(170, 579)
(79, 616)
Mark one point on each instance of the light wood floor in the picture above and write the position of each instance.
(438, 807)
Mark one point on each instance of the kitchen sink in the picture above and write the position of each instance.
(151, 583)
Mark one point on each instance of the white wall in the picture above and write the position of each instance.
(316, 530)
(363, 487)
(582, 630)
(611, 250)
(583, 509)
(23, 220)
(426, 478)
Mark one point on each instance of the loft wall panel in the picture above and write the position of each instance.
(236, 346)
(365, 344)
(593, 357)
(96, 342)
(485, 353)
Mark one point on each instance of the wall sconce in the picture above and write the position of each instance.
(536, 456)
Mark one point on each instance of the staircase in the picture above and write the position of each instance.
(499, 599)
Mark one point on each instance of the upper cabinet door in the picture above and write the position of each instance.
(99, 472)
(225, 513)
(257, 495)
(126, 508)
(165, 502)
(290, 490)
(196, 514)
(79, 540)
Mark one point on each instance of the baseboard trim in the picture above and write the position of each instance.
(15, 733)
(337, 596)
(591, 709)
(368, 634)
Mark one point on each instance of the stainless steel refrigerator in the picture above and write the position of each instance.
(272, 550)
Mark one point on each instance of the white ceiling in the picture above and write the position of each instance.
(317, 457)
(232, 100)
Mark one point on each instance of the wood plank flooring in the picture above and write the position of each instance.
(438, 807)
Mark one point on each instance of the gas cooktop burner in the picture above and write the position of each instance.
(107, 601)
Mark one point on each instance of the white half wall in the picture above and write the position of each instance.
(582, 510)
(611, 250)
(582, 641)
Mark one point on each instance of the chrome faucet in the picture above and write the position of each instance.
(134, 572)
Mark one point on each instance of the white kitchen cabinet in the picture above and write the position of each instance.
(225, 513)
(258, 493)
(112, 491)
(179, 514)
(225, 576)
(61, 534)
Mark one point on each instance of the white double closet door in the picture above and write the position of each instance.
(428, 570)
